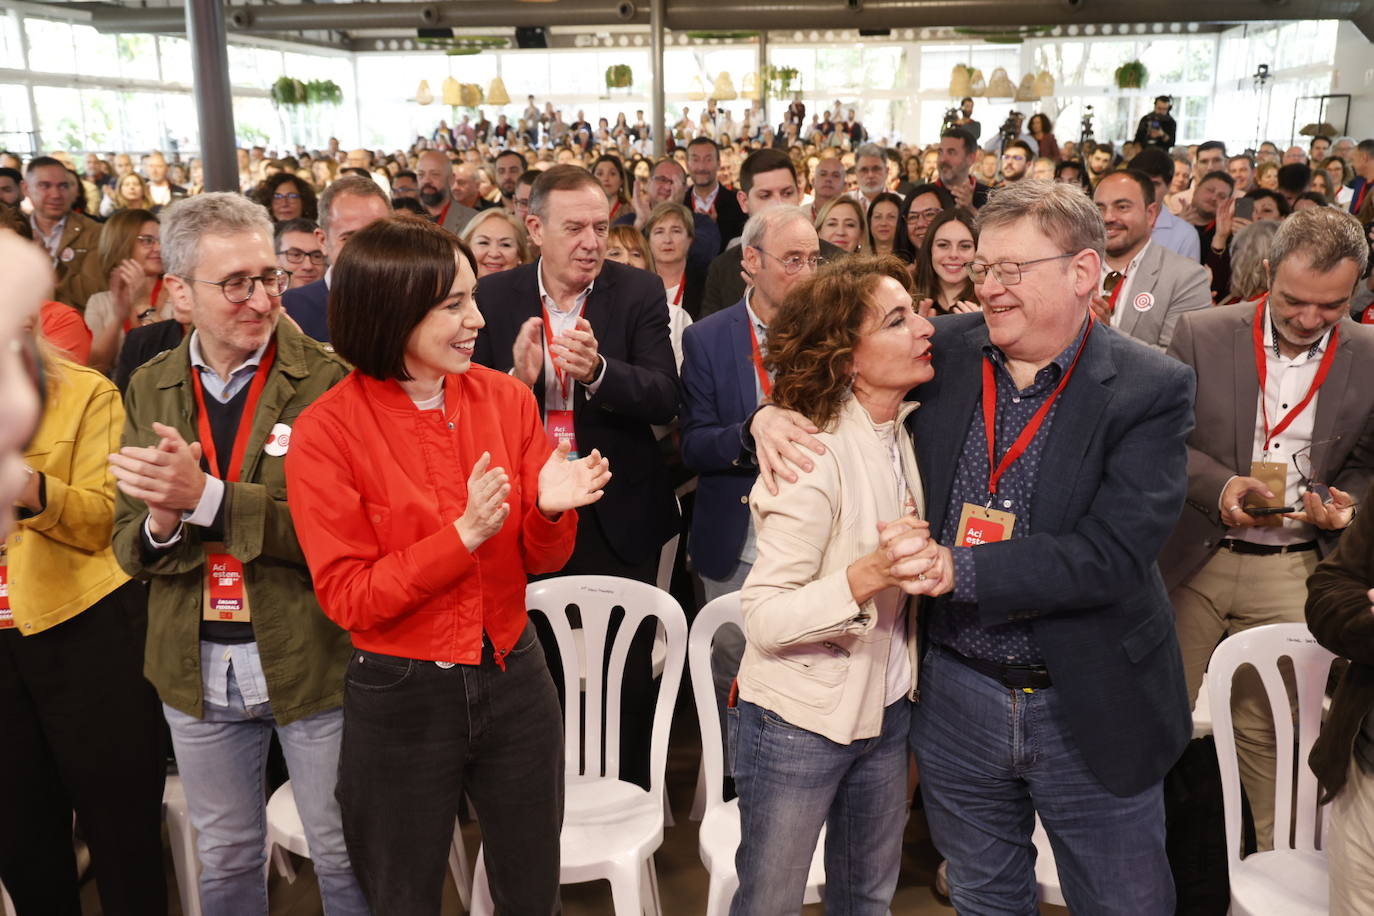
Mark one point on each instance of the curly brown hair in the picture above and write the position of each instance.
(812, 337)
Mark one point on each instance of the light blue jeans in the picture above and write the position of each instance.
(222, 759)
(790, 782)
(991, 758)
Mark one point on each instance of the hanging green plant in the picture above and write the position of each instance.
(780, 80)
(288, 92)
(1004, 35)
(619, 76)
(323, 92)
(1131, 75)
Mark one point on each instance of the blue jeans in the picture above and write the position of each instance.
(222, 758)
(990, 758)
(790, 782)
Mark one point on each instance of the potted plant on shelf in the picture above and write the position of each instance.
(1131, 75)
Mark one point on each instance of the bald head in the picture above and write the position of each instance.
(465, 184)
(434, 174)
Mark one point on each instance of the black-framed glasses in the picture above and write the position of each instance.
(291, 196)
(922, 216)
(240, 289)
(297, 256)
(793, 264)
(1302, 463)
(1008, 273)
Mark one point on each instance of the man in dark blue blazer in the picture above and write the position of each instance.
(590, 338)
(1051, 679)
(347, 205)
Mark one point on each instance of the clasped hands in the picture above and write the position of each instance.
(166, 476)
(574, 352)
(906, 557)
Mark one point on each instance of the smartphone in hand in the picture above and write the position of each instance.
(1261, 511)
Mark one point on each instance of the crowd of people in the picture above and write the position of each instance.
(995, 437)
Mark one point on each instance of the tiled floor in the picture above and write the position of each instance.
(682, 878)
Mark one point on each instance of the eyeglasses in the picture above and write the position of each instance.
(922, 216)
(296, 256)
(792, 265)
(148, 241)
(241, 289)
(1008, 273)
(1302, 463)
(292, 196)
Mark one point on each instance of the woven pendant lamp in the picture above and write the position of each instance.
(423, 95)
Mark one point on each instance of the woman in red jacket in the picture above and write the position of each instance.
(424, 491)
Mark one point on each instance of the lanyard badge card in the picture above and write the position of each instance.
(559, 423)
(6, 614)
(225, 595)
(1274, 474)
(980, 525)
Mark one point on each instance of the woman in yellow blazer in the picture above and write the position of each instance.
(80, 724)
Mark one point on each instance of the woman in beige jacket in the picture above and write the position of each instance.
(818, 731)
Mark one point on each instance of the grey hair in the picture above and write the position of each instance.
(1061, 211)
(187, 221)
(1326, 235)
(1248, 250)
(351, 185)
(770, 220)
(872, 150)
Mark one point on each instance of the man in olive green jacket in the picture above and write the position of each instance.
(237, 643)
(1341, 617)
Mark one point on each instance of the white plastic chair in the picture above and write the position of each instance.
(286, 833)
(181, 836)
(1290, 880)
(611, 828)
(720, 832)
(1046, 871)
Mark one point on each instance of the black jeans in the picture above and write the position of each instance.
(82, 730)
(416, 738)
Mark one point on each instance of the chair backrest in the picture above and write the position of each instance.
(1262, 647)
(596, 599)
(719, 612)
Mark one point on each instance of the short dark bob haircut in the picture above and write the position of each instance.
(385, 281)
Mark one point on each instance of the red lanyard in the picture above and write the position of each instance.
(681, 285)
(1262, 370)
(564, 381)
(1364, 189)
(765, 382)
(1023, 441)
(207, 437)
(443, 214)
(710, 209)
(1116, 294)
(615, 210)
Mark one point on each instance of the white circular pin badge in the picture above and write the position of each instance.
(278, 440)
(66, 255)
(1144, 302)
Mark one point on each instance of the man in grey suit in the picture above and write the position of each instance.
(1145, 286)
(435, 174)
(1298, 353)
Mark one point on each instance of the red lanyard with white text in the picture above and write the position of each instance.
(564, 380)
(995, 468)
(245, 427)
(765, 383)
(1262, 370)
